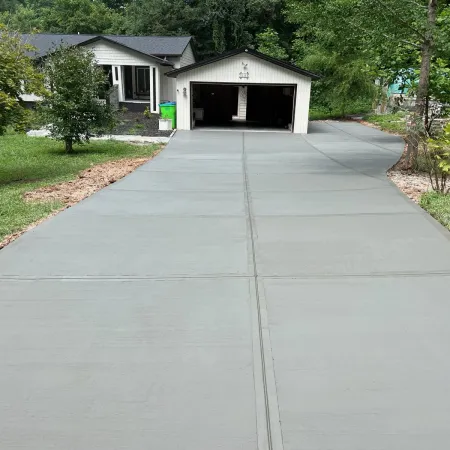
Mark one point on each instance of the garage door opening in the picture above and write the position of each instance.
(248, 107)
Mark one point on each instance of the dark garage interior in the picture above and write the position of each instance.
(267, 106)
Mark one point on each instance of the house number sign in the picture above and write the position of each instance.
(244, 75)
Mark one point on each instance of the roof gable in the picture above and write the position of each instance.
(277, 62)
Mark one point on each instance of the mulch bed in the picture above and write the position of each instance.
(135, 123)
(71, 192)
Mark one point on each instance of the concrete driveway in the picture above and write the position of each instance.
(242, 291)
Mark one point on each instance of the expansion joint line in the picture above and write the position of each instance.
(271, 417)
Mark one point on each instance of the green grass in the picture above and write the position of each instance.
(320, 112)
(316, 113)
(27, 163)
(392, 123)
(438, 205)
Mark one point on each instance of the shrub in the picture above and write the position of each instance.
(436, 161)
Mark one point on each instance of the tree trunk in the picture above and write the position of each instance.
(426, 54)
(69, 145)
(420, 120)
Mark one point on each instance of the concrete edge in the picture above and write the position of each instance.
(445, 233)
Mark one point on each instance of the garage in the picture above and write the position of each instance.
(268, 107)
(243, 89)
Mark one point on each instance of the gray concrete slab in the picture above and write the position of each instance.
(184, 165)
(126, 364)
(91, 244)
(314, 182)
(181, 181)
(361, 363)
(368, 201)
(349, 244)
(165, 203)
(240, 290)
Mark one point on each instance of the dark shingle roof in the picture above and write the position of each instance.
(149, 45)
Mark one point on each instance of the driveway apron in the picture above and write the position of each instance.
(242, 291)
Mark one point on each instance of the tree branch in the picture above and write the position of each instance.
(397, 18)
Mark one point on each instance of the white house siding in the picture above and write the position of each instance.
(176, 60)
(259, 72)
(107, 53)
(168, 86)
(187, 57)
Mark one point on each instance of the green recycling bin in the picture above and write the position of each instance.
(169, 111)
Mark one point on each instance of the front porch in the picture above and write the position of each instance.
(138, 87)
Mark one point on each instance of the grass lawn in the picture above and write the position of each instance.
(392, 123)
(438, 205)
(27, 163)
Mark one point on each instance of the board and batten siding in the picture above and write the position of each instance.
(259, 72)
(107, 53)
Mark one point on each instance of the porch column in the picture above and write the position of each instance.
(154, 89)
(133, 81)
(158, 88)
(118, 80)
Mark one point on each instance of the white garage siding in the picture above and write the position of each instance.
(230, 70)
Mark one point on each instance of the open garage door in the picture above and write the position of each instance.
(229, 106)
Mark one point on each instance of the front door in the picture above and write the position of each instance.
(143, 82)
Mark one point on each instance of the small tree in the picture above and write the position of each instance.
(18, 76)
(72, 106)
(269, 43)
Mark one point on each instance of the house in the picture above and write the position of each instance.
(238, 89)
(135, 64)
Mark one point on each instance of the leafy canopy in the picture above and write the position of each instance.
(18, 76)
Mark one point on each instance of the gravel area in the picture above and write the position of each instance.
(135, 123)
(410, 183)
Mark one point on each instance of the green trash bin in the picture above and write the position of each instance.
(169, 111)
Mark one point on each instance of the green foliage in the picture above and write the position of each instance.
(437, 155)
(268, 42)
(217, 25)
(354, 42)
(18, 76)
(392, 123)
(27, 163)
(72, 107)
(438, 205)
(65, 16)
(147, 112)
(325, 44)
(324, 112)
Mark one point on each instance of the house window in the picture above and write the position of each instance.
(116, 73)
(143, 81)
